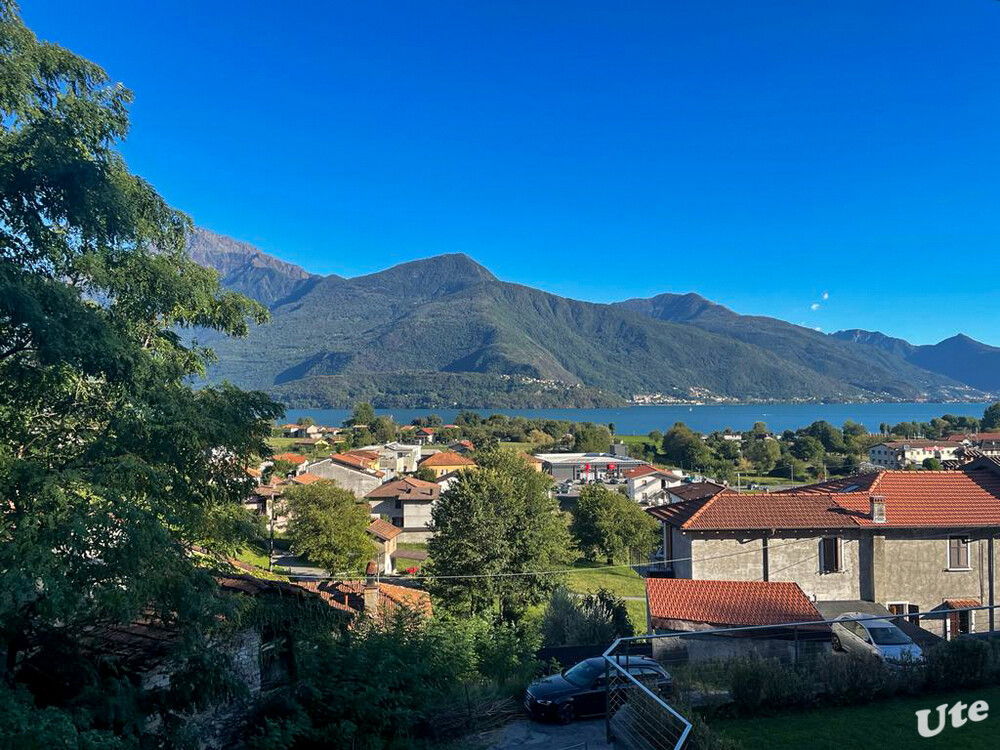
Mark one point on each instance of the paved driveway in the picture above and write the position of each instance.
(524, 733)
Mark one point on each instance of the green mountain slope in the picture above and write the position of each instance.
(873, 370)
(445, 332)
(959, 357)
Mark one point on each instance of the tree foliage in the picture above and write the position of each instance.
(111, 466)
(499, 522)
(607, 524)
(328, 525)
(596, 618)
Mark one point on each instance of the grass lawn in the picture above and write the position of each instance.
(879, 725)
(590, 576)
(403, 562)
(281, 444)
(523, 447)
(633, 439)
(253, 555)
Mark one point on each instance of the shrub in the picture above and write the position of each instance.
(963, 662)
(855, 678)
(762, 685)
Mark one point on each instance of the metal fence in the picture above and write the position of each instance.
(810, 661)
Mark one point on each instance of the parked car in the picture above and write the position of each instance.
(855, 632)
(582, 690)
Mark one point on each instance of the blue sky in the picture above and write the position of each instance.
(761, 154)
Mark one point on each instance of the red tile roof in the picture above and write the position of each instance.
(733, 603)
(940, 499)
(447, 458)
(962, 603)
(640, 471)
(383, 529)
(355, 462)
(294, 458)
(306, 478)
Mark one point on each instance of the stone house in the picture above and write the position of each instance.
(911, 541)
(407, 504)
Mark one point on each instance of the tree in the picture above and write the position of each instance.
(363, 414)
(111, 466)
(608, 524)
(305, 421)
(382, 429)
(991, 418)
(493, 524)
(426, 473)
(763, 453)
(597, 618)
(591, 438)
(932, 464)
(685, 448)
(328, 525)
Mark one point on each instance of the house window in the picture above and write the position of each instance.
(399, 504)
(914, 611)
(958, 553)
(829, 555)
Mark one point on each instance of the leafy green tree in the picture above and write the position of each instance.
(383, 429)
(328, 525)
(763, 453)
(591, 438)
(991, 417)
(684, 447)
(425, 473)
(498, 522)
(807, 448)
(606, 523)
(305, 421)
(281, 468)
(932, 464)
(111, 466)
(363, 414)
(597, 618)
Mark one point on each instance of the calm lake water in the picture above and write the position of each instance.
(639, 420)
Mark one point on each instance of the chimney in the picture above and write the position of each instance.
(878, 508)
(371, 589)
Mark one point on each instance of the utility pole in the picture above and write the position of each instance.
(989, 569)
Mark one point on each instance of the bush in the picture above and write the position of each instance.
(856, 678)
(763, 685)
(963, 662)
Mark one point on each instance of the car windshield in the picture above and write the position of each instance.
(584, 673)
(888, 635)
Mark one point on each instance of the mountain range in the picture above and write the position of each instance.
(444, 331)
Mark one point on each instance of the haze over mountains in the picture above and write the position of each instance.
(444, 331)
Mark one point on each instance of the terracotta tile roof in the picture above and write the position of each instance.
(294, 458)
(350, 595)
(363, 454)
(447, 458)
(939, 499)
(383, 529)
(962, 603)
(921, 443)
(408, 488)
(640, 471)
(733, 603)
(267, 490)
(306, 478)
(355, 462)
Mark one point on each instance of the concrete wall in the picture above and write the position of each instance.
(788, 560)
(356, 481)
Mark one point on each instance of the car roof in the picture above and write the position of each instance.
(635, 661)
(864, 619)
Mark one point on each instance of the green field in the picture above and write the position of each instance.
(883, 724)
(522, 447)
(590, 576)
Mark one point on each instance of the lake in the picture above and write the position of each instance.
(639, 420)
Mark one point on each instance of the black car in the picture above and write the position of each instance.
(582, 690)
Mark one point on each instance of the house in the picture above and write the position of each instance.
(574, 467)
(534, 461)
(648, 485)
(306, 478)
(899, 454)
(424, 435)
(446, 462)
(462, 447)
(293, 458)
(407, 503)
(348, 475)
(384, 535)
(679, 605)
(371, 597)
(396, 458)
(911, 541)
(300, 431)
(366, 460)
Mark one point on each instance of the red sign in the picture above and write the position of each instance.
(611, 467)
